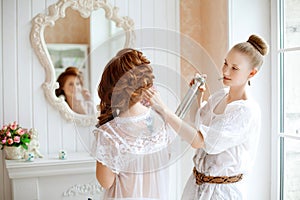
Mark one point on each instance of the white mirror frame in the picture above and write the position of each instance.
(57, 11)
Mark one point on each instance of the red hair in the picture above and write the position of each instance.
(62, 78)
(123, 81)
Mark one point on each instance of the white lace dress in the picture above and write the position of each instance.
(230, 139)
(138, 150)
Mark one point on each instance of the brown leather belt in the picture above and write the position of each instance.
(202, 178)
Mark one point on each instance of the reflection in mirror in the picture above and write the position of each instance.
(65, 55)
(68, 43)
(72, 89)
(70, 36)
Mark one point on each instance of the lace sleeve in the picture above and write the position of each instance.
(230, 129)
(106, 150)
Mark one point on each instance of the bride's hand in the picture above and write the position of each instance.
(86, 94)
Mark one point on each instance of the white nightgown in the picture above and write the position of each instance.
(138, 150)
(230, 140)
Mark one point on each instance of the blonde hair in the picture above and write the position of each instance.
(123, 81)
(255, 48)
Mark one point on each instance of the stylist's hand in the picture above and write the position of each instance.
(201, 88)
(153, 98)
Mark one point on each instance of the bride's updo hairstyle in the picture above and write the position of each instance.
(256, 48)
(123, 81)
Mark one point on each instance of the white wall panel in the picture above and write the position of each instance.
(134, 8)
(2, 166)
(160, 57)
(39, 104)
(147, 34)
(84, 138)
(1, 71)
(122, 5)
(10, 75)
(55, 126)
(50, 2)
(24, 64)
(69, 137)
(3, 177)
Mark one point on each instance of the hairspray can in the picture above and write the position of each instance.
(189, 97)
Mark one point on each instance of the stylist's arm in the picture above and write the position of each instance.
(184, 130)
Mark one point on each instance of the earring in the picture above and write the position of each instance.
(249, 82)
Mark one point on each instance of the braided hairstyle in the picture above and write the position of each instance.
(123, 81)
(255, 48)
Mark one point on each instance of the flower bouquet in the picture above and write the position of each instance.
(13, 138)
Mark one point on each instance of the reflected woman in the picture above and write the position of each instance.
(71, 88)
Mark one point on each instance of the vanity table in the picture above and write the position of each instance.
(52, 178)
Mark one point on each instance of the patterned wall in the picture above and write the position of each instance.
(65, 31)
(205, 22)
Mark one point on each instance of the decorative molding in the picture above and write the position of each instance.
(83, 189)
(57, 11)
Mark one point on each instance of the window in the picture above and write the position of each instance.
(288, 57)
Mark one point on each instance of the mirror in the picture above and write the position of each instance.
(46, 50)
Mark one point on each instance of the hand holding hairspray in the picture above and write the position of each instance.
(189, 97)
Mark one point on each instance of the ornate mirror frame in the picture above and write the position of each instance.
(55, 12)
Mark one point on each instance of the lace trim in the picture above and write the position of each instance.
(136, 118)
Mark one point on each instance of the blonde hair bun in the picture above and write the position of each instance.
(259, 44)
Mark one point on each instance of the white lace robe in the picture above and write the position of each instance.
(230, 145)
(137, 149)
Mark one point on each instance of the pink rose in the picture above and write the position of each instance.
(20, 131)
(3, 141)
(17, 139)
(8, 134)
(13, 126)
(4, 127)
(10, 141)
